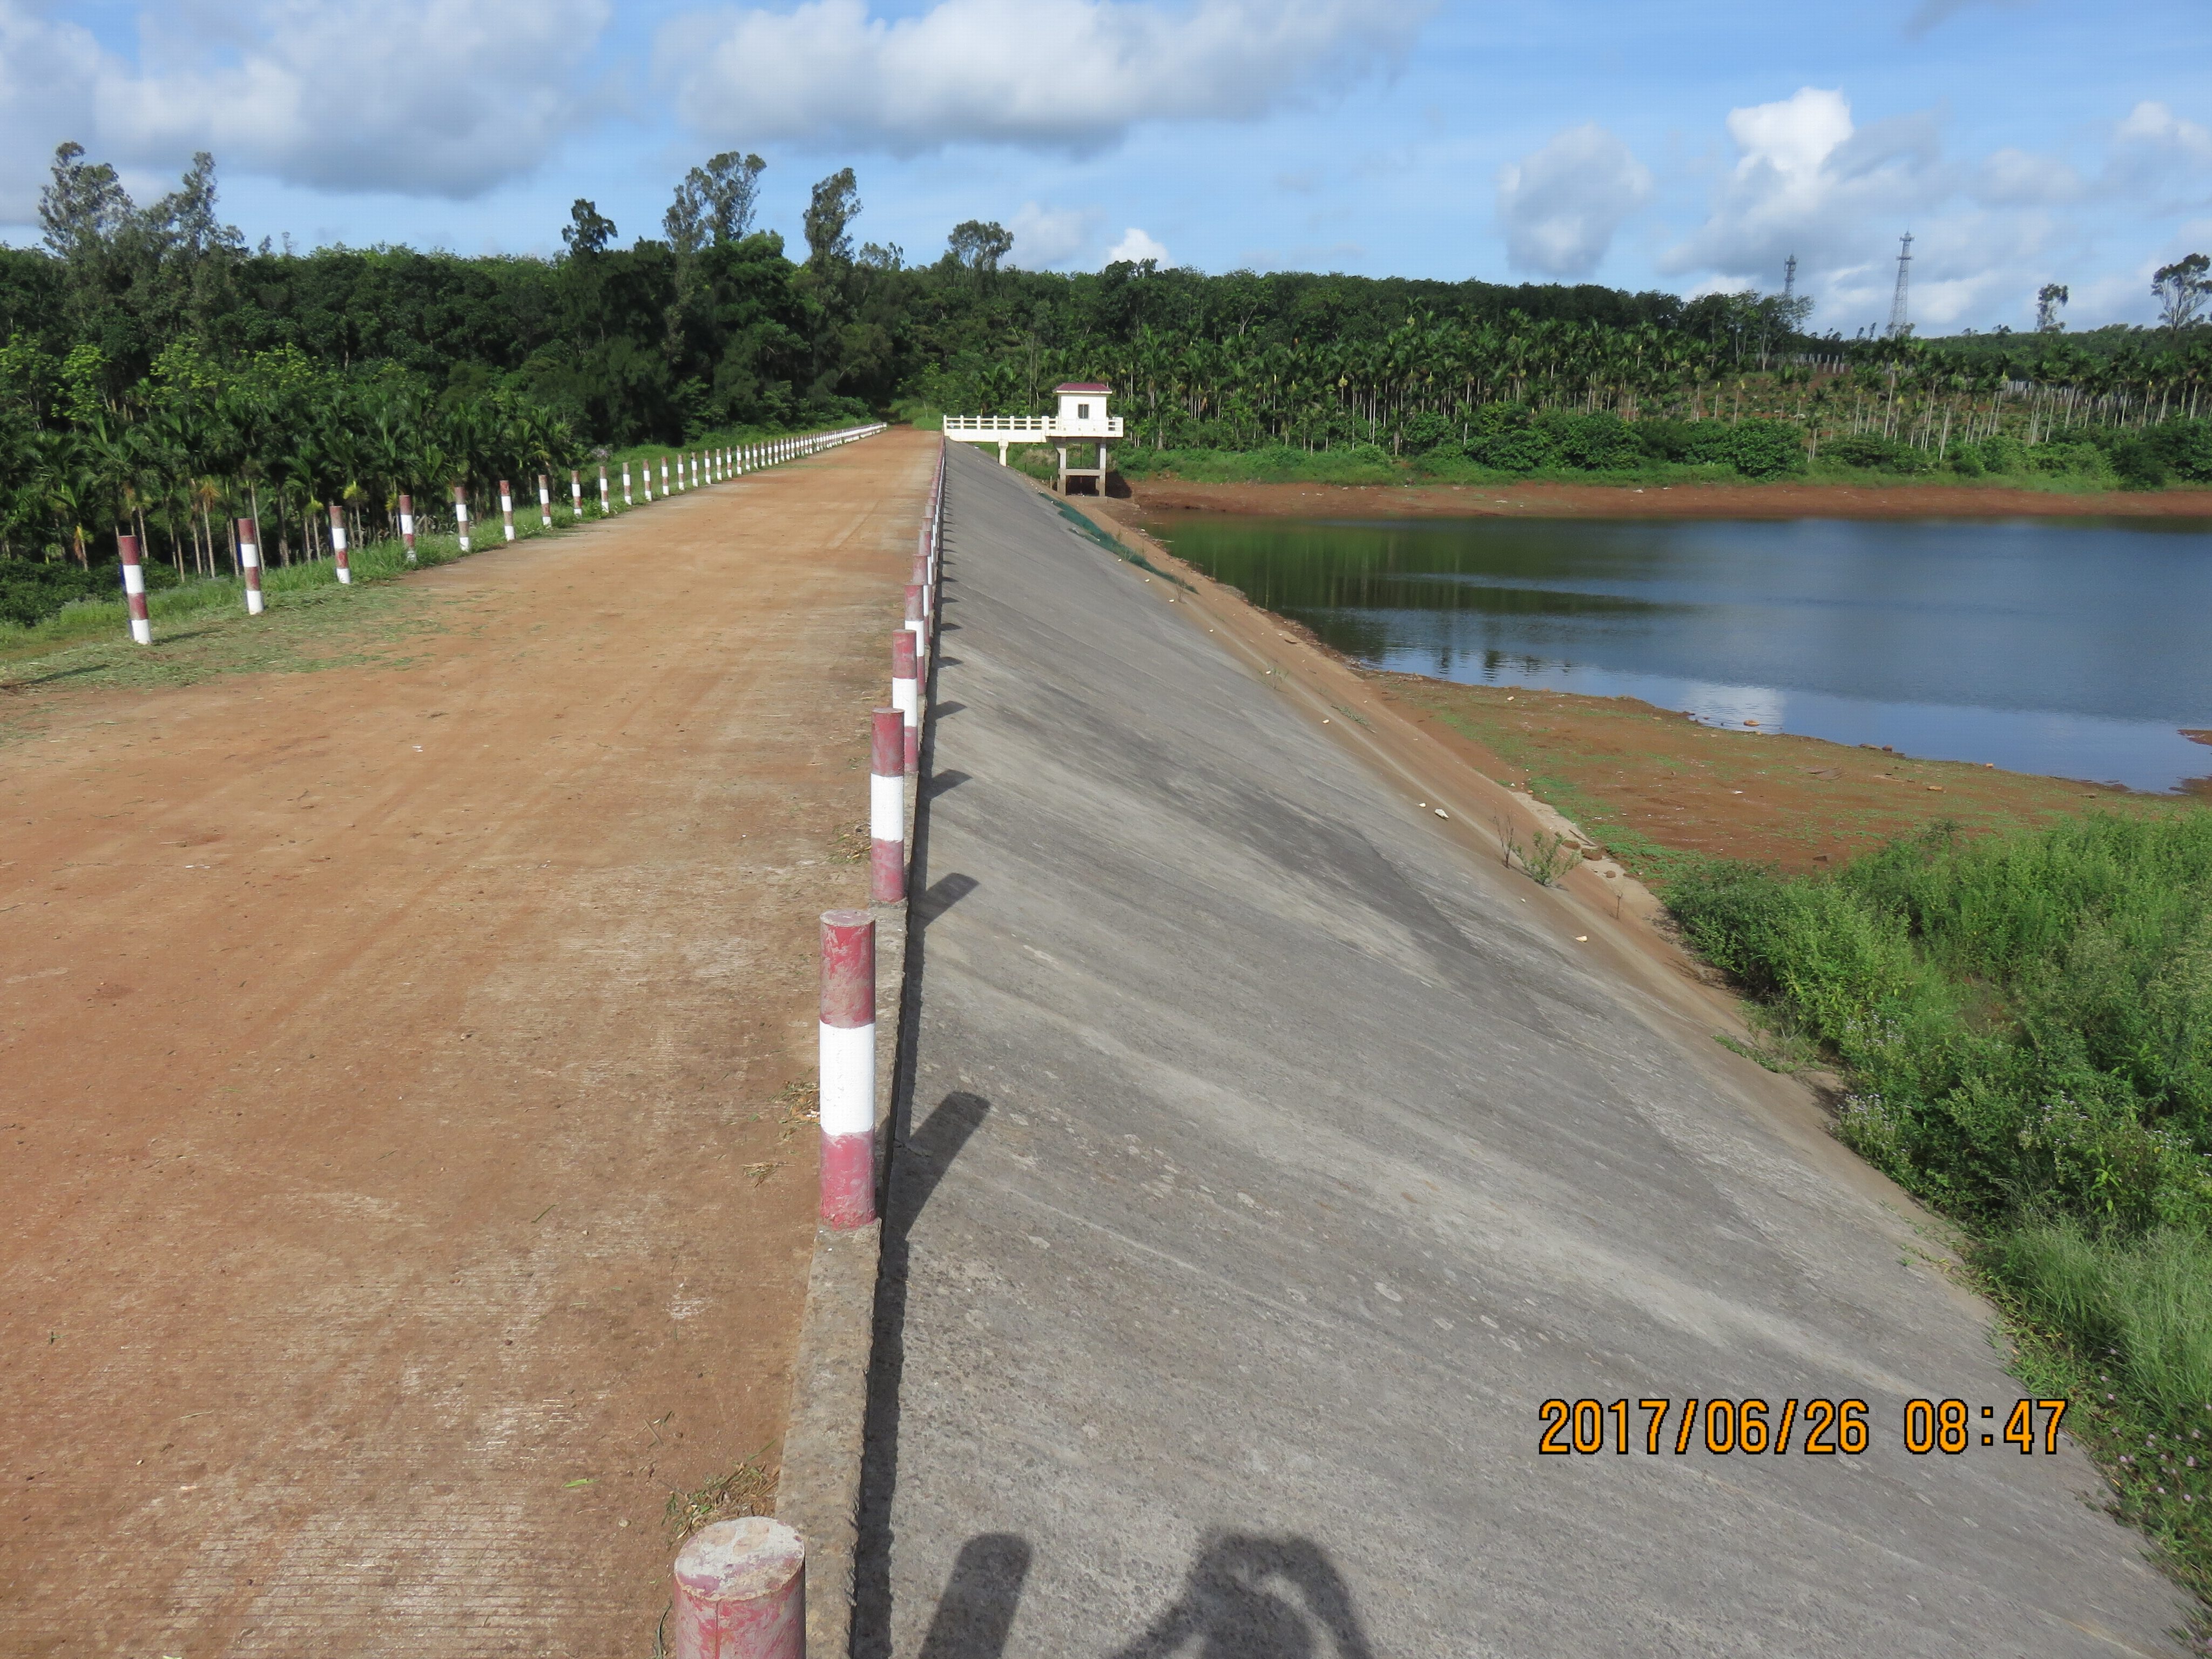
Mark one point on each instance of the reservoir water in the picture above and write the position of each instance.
(2075, 647)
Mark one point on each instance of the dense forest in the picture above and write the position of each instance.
(157, 368)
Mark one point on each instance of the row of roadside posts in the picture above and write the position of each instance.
(702, 466)
(740, 1590)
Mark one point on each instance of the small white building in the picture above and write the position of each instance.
(1081, 418)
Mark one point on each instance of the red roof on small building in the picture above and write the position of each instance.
(1083, 386)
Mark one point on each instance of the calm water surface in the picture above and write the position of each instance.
(2081, 647)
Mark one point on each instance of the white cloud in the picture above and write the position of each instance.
(329, 95)
(48, 72)
(366, 94)
(1074, 75)
(2013, 178)
(1137, 247)
(1810, 181)
(1561, 206)
(2157, 127)
(1045, 237)
(2160, 155)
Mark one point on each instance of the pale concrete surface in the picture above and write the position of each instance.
(1269, 1163)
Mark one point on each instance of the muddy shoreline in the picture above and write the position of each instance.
(1788, 500)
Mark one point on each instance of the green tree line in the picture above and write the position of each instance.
(159, 370)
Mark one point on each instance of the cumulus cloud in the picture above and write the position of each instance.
(1045, 237)
(332, 94)
(1136, 248)
(2158, 154)
(1810, 181)
(366, 94)
(1073, 75)
(47, 74)
(2013, 178)
(1561, 206)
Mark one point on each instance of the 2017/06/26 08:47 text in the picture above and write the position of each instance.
(1753, 1427)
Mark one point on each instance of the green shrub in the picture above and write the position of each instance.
(1690, 443)
(1765, 449)
(2183, 448)
(1503, 437)
(1427, 432)
(2079, 457)
(1589, 443)
(1876, 454)
(2137, 464)
(2027, 1021)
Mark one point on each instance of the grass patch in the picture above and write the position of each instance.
(2117, 1328)
(2024, 1022)
(749, 1489)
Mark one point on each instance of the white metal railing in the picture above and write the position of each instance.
(991, 428)
(960, 426)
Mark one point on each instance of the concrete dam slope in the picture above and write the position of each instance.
(1270, 1162)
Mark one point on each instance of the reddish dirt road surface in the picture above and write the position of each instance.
(398, 1205)
(1783, 500)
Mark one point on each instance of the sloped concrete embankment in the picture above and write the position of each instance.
(1269, 1163)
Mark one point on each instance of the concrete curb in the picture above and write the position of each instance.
(819, 1489)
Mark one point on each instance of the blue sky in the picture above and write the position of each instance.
(1687, 147)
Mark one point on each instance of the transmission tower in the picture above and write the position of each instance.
(1899, 323)
(1790, 277)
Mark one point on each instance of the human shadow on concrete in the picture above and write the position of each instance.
(976, 1611)
(1255, 1597)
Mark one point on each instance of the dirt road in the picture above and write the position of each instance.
(397, 1202)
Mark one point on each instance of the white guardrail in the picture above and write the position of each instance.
(994, 428)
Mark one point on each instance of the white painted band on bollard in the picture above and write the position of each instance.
(886, 806)
(848, 1078)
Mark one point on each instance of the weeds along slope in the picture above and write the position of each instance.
(2026, 1021)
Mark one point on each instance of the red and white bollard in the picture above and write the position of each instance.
(887, 807)
(507, 507)
(906, 697)
(626, 500)
(338, 545)
(916, 623)
(407, 526)
(249, 566)
(461, 514)
(663, 475)
(134, 590)
(545, 503)
(604, 507)
(741, 1592)
(848, 1069)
